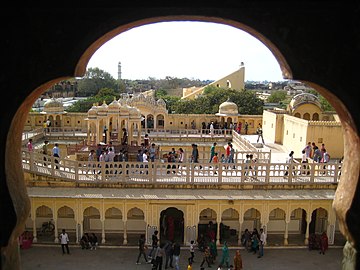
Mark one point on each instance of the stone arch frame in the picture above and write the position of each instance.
(58, 223)
(258, 210)
(19, 202)
(238, 225)
(306, 116)
(86, 223)
(315, 117)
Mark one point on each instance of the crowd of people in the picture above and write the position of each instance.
(167, 253)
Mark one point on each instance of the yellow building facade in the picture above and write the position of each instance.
(119, 213)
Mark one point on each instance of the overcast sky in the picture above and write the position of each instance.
(194, 50)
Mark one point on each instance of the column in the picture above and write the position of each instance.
(308, 220)
(125, 232)
(239, 235)
(56, 233)
(218, 221)
(103, 240)
(286, 234)
(34, 228)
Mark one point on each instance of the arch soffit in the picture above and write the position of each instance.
(44, 205)
(141, 208)
(249, 208)
(229, 208)
(277, 207)
(90, 207)
(181, 208)
(201, 209)
(121, 209)
(58, 207)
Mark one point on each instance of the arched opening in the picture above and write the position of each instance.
(66, 220)
(351, 140)
(207, 227)
(135, 225)
(306, 116)
(172, 225)
(44, 215)
(319, 221)
(230, 226)
(252, 219)
(114, 226)
(276, 227)
(297, 226)
(91, 222)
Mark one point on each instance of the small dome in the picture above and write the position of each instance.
(93, 110)
(53, 106)
(303, 98)
(134, 112)
(114, 105)
(228, 108)
(103, 108)
(161, 102)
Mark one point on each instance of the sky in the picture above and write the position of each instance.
(186, 49)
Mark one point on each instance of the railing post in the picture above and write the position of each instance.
(153, 171)
(31, 161)
(187, 171)
(76, 171)
(267, 172)
(220, 172)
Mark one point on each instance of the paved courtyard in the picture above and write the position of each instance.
(109, 258)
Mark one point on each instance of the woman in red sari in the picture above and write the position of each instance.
(324, 243)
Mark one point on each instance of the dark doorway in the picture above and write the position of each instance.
(172, 225)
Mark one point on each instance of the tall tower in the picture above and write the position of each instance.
(119, 71)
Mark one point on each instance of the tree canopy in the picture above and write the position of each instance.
(212, 97)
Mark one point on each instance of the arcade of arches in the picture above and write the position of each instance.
(120, 222)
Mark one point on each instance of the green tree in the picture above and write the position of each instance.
(94, 80)
(277, 96)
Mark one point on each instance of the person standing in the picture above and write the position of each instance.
(64, 241)
(259, 132)
(206, 257)
(212, 129)
(169, 250)
(176, 255)
(262, 242)
(56, 154)
(30, 146)
(142, 249)
(246, 127)
(324, 243)
(225, 257)
(159, 256)
(153, 152)
(45, 151)
(238, 265)
(308, 150)
(290, 160)
(192, 251)
(212, 151)
(154, 244)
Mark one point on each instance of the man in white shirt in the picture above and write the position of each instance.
(64, 241)
(262, 243)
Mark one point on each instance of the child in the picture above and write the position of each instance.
(192, 251)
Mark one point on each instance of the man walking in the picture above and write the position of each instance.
(64, 241)
(212, 151)
(142, 248)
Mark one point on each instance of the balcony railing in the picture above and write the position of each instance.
(170, 173)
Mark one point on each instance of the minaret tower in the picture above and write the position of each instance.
(119, 71)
